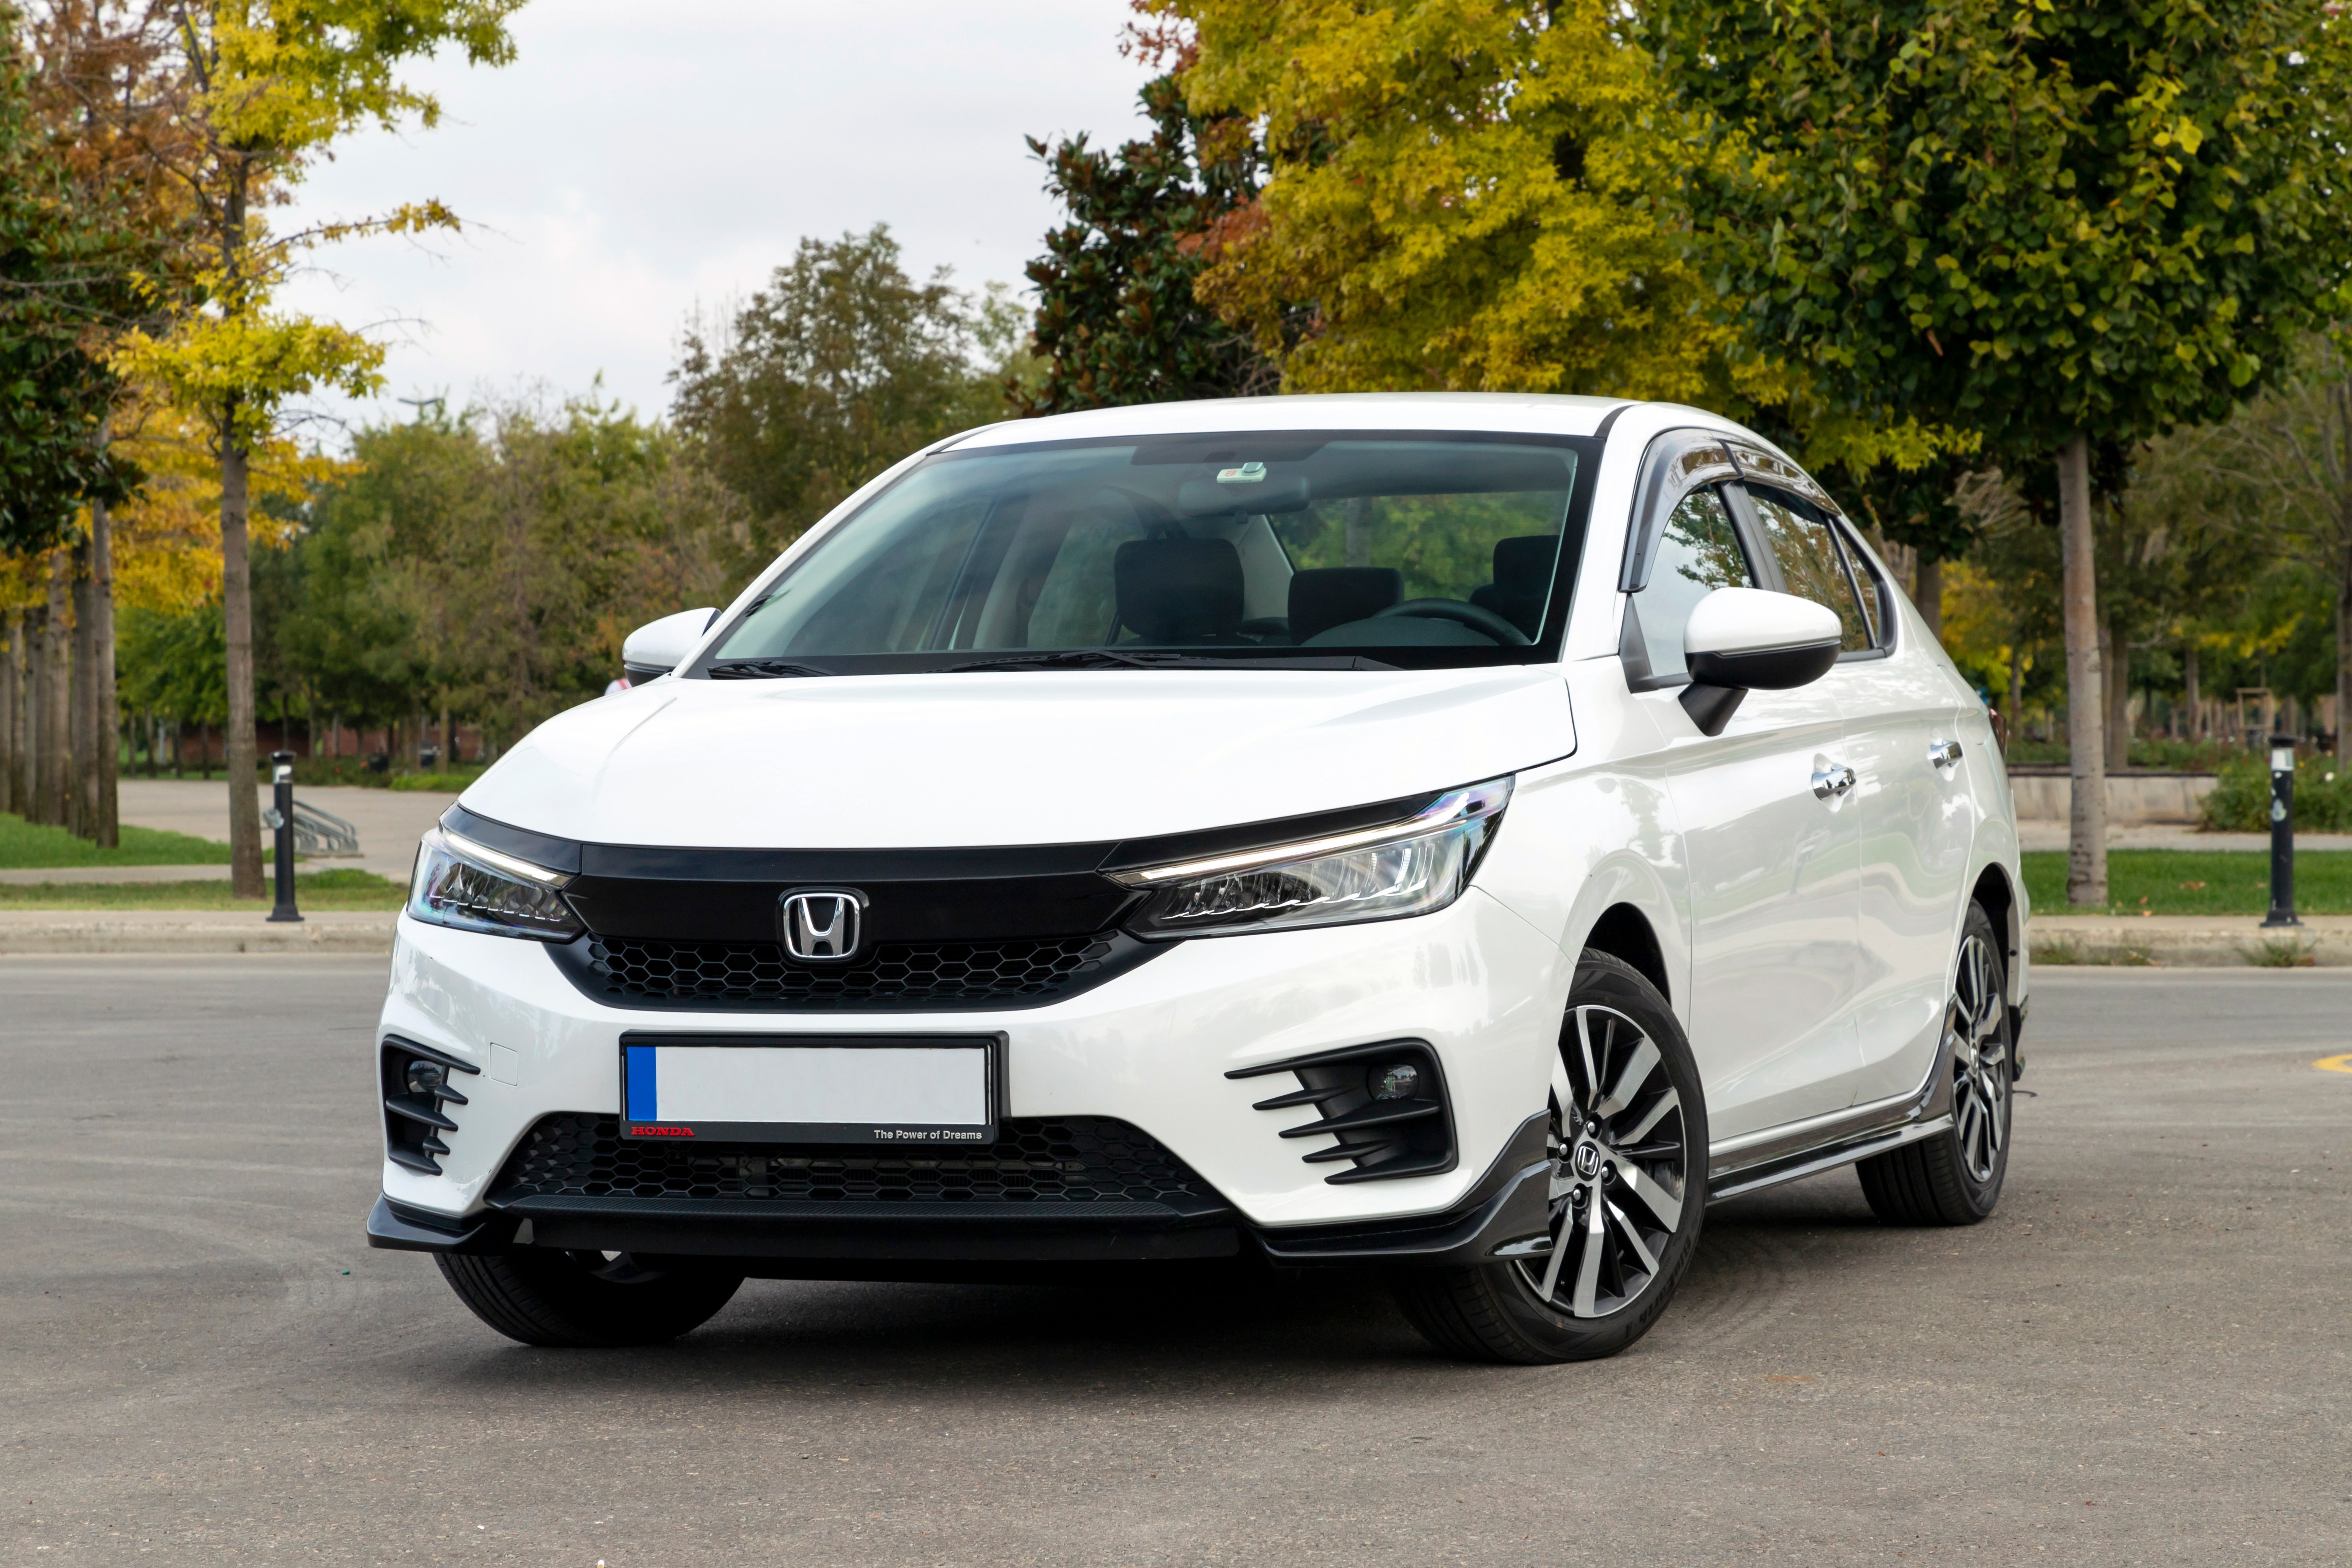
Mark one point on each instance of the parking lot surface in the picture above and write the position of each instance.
(2144, 1357)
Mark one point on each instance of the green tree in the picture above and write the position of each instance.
(836, 369)
(1117, 320)
(487, 565)
(2060, 226)
(263, 89)
(174, 667)
(2288, 454)
(65, 266)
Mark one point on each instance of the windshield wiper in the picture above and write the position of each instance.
(1110, 658)
(761, 669)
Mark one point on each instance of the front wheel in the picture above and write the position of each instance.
(1628, 1190)
(577, 1299)
(1954, 1176)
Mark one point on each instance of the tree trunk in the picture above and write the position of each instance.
(2191, 698)
(2344, 619)
(12, 668)
(236, 612)
(1355, 541)
(2017, 692)
(2087, 829)
(448, 740)
(56, 651)
(106, 820)
(2114, 663)
(81, 800)
(1930, 595)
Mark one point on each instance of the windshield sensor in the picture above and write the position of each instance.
(1106, 659)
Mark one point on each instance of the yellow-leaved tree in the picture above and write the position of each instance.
(1465, 196)
(263, 89)
(1483, 195)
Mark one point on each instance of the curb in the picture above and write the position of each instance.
(163, 931)
(2188, 943)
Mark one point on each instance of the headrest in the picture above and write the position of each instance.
(1331, 596)
(1178, 590)
(1523, 566)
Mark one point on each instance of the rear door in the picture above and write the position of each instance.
(1773, 864)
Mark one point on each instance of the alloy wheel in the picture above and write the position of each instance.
(1975, 1035)
(1621, 1162)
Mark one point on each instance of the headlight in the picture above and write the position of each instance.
(464, 884)
(1386, 873)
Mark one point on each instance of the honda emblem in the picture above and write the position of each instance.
(820, 924)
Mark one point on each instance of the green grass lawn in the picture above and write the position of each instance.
(23, 844)
(316, 891)
(2197, 882)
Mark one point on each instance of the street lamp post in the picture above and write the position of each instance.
(281, 817)
(2282, 833)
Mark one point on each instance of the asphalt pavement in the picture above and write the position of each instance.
(2144, 1357)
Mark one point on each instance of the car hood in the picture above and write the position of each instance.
(1028, 757)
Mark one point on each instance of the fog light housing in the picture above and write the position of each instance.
(1397, 1080)
(425, 1076)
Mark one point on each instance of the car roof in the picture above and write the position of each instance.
(1531, 413)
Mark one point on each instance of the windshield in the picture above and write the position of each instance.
(1406, 551)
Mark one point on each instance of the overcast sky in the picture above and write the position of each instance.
(638, 159)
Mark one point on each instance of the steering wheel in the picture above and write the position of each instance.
(1485, 623)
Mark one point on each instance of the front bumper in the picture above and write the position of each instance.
(1506, 1208)
(1153, 1048)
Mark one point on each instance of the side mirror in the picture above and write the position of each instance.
(1740, 641)
(657, 647)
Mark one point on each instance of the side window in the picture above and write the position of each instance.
(1873, 600)
(1813, 563)
(1698, 551)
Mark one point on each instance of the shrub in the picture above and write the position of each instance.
(2241, 801)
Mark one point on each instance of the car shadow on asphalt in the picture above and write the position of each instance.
(1168, 1329)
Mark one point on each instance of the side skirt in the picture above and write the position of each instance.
(1756, 1178)
(1766, 1158)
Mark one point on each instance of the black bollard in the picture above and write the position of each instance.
(281, 774)
(2282, 832)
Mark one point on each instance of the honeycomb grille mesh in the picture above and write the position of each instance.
(938, 971)
(1058, 1161)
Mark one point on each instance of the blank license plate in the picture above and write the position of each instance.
(838, 1089)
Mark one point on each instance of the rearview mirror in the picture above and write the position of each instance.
(655, 648)
(1740, 641)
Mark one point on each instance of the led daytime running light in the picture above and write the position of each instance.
(462, 846)
(1448, 810)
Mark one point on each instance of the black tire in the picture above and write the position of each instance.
(1954, 1178)
(1632, 1159)
(581, 1300)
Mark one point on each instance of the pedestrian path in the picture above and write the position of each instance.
(390, 822)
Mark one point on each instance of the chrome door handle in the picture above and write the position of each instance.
(1832, 780)
(1944, 753)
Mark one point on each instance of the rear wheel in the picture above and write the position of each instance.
(1628, 1190)
(578, 1299)
(1954, 1178)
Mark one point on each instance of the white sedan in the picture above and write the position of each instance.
(1458, 835)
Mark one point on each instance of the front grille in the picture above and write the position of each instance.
(937, 974)
(1056, 1163)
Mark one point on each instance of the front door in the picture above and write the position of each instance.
(1773, 858)
(1914, 815)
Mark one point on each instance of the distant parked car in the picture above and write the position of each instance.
(1462, 834)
